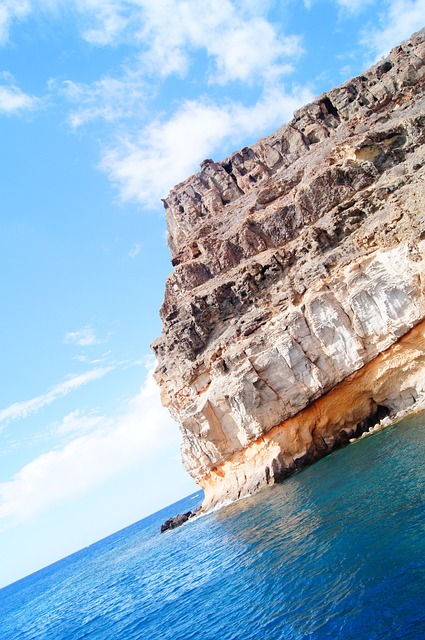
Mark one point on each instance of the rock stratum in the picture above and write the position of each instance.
(294, 317)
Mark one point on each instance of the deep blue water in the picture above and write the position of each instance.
(337, 551)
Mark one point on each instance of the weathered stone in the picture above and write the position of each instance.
(177, 521)
(294, 318)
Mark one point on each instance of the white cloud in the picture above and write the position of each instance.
(84, 337)
(164, 36)
(135, 250)
(240, 42)
(14, 100)
(237, 36)
(399, 19)
(251, 51)
(10, 11)
(354, 6)
(109, 99)
(239, 45)
(78, 422)
(111, 18)
(115, 445)
(166, 152)
(28, 407)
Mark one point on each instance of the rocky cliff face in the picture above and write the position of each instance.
(294, 316)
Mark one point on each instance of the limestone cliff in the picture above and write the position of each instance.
(294, 316)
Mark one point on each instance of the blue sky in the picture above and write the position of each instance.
(104, 106)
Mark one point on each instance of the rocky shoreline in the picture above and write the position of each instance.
(364, 430)
(178, 520)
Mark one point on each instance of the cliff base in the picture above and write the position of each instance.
(393, 383)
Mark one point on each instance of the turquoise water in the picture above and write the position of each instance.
(337, 551)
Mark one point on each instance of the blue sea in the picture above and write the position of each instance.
(336, 551)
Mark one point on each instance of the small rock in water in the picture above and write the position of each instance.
(181, 518)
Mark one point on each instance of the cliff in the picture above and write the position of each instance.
(294, 317)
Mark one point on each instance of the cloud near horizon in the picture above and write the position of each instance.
(112, 445)
(78, 422)
(28, 407)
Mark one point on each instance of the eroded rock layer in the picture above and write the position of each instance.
(298, 282)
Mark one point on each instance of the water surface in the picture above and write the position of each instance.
(336, 551)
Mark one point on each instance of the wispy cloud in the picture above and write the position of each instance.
(12, 99)
(111, 20)
(135, 250)
(28, 407)
(398, 20)
(109, 98)
(236, 43)
(145, 167)
(240, 42)
(237, 37)
(11, 11)
(111, 446)
(354, 6)
(78, 422)
(84, 337)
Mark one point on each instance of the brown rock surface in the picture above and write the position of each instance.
(299, 267)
